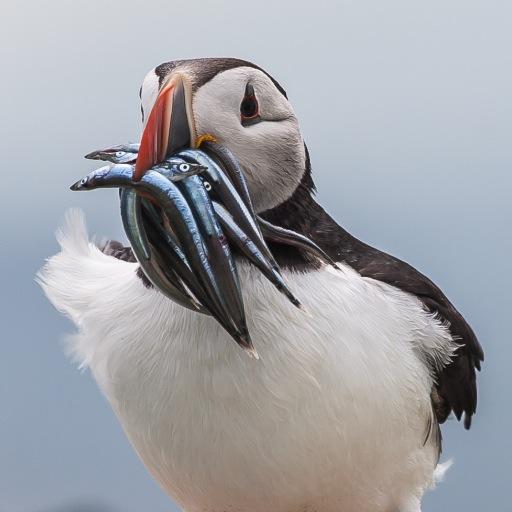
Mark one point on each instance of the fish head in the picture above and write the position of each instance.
(108, 176)
(117, 154)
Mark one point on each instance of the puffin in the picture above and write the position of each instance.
(342, 410)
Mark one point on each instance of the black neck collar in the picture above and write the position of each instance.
(301, 213)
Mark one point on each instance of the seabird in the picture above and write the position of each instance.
(342, 410)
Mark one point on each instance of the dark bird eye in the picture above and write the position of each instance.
(249, 108)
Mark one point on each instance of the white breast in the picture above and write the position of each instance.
(333, 417)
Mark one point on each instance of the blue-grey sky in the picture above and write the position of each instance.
(406, 108)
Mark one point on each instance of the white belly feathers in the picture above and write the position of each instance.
(332, 417)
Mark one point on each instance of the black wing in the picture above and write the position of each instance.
(456, 383)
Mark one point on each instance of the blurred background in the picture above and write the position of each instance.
(406, 108)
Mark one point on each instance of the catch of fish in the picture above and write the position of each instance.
(186, 218)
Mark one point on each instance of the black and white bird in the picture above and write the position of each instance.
(342, 411)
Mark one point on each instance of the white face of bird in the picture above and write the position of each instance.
(242, 109)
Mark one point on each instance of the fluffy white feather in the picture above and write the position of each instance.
(148, 94)
(331, 418)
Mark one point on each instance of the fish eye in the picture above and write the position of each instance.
(207, 185)
(249, 108)
(83, 181)
(119, 154)
(184, 167)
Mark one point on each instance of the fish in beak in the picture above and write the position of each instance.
(185, 210)
(120, 154)
(168, 129)
(161, 267)
(189, 269)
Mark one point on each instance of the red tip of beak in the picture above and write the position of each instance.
(154, 141)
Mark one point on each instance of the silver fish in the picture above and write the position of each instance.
(219, 254)
(120, 154)
(228, 196)
(229, 163)
(179, 214)
(233, 169)
(120, 175)
(288, 237)
(249, 249)
(151, 260)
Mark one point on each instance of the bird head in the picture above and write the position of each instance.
(234, 103)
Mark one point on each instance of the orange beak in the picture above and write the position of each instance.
(168, 129)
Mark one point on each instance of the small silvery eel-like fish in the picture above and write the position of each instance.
(229, 197)
(173, 261)
(216, 296)
(108, 176)
(120, 154)
(185, 226)
(219, 254)
(288, 237)
(179, 225)
(233, 169)
(221, 154)
(249, 249)
(267, 230)
(151, 260)
(121, 176)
